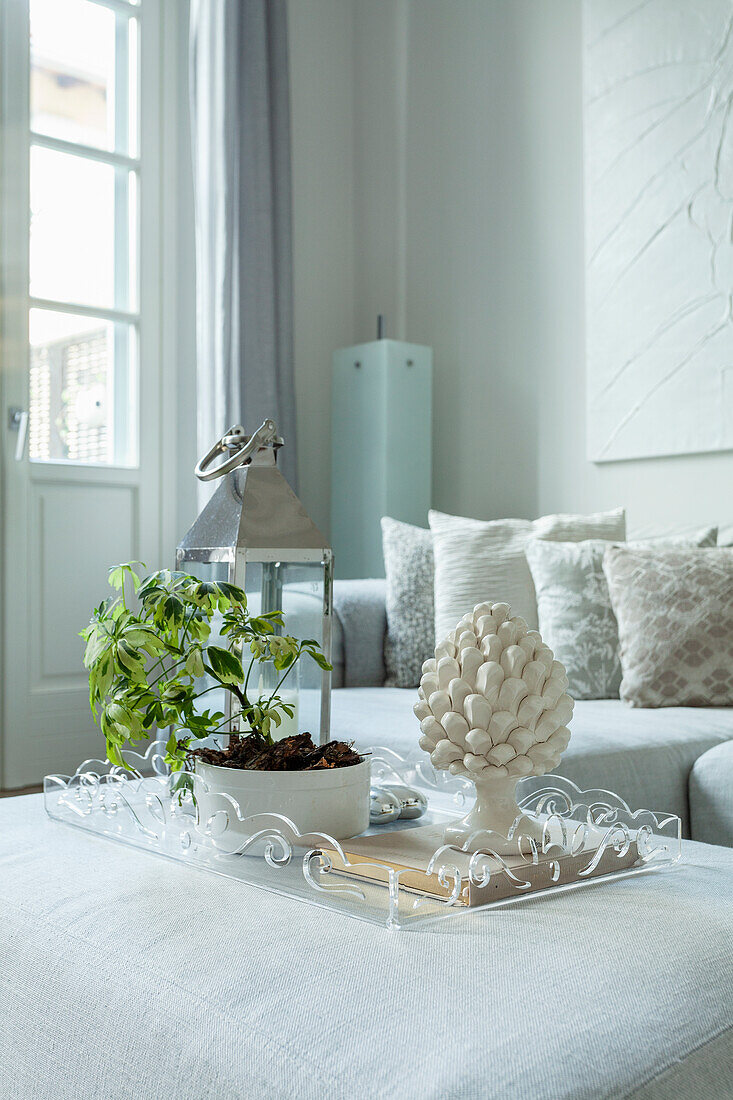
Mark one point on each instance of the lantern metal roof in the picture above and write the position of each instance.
(253, 513)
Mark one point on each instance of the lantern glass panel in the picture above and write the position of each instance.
(296, 589)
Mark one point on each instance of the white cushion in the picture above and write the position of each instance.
(479, 561)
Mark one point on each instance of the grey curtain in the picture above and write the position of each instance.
(240, 118)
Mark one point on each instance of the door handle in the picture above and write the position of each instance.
(18, 422)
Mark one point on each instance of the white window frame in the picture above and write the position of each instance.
(126, 399)
(164, 320)
(125, 404)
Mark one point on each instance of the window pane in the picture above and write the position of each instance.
(76, 204)
(82, 390)
(84, 74)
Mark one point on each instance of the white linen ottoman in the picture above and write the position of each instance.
(124, 976)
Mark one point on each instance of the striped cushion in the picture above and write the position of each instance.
(479, 561)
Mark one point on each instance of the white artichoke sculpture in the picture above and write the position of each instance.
(493, 708)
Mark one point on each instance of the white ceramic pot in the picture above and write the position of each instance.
(334, 801)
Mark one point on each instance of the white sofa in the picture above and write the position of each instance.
(645, 756)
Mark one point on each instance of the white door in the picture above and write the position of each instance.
(80, 350)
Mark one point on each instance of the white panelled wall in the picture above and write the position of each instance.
(437, 172)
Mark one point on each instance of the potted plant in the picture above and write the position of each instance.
(147, 650)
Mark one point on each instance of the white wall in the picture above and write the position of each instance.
(470, 275)
(402, 206)
(659, 493)
(322, 118)
(437, 169)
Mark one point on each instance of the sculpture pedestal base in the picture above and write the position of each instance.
(495, 820)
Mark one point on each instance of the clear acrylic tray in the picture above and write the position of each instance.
(587, 836)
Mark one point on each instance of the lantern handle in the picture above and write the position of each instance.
(241, 448)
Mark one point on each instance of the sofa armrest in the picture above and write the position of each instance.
(711, 796)
(361, 621)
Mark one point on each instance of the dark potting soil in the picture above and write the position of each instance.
(291, 754)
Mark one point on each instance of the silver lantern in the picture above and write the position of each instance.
(255, 533)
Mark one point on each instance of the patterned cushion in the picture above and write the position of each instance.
(479, 561)
(408, 563)
(675, 617)
(575, 614)
(576, 618)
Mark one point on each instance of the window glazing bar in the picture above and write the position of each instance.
(86, 151)
(51, 304)
(123, 6)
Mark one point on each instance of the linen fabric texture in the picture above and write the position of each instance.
(478, 561)
(674, 609)
(711, 796)
(89, 924)
(574, 609)
(359, 631)
(408, 565)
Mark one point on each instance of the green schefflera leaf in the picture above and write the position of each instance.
(195, 663)
(100, 639)
(100, 680)
(124, 719)
(114, 755)
(198, 627)
(203, 594)
(320, 660)
(224, 666)
(176, 751)
(233, 595)
(143, 637)
(172, 611)
(262, 626)
(129, 658)
(174, 692)
(118, 573)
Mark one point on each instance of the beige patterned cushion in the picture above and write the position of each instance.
(675, 618)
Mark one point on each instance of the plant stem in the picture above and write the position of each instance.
(214, 687)
(186, 626)
(246, 679)
(166, 671)
(285, 675)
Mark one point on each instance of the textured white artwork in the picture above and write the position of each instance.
(658, 78)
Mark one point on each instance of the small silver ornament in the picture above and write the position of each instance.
(384, 807)
(393, 801)
(413, 803)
